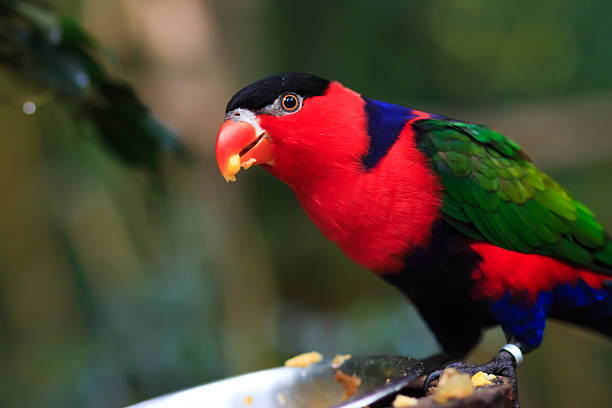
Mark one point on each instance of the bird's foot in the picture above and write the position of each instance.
(503, 364)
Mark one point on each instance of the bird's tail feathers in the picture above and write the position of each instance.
(595, 315)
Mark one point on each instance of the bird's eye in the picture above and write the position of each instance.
(290, 103)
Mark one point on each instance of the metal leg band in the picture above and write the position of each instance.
(515, 351)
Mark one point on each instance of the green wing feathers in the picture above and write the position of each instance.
(495, 194)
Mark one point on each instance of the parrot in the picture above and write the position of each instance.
(452, 213)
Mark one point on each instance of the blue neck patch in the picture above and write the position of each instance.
(385, 122)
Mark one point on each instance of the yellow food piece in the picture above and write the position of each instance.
(480, 378)
(453, 385)
(248, 400)
(304, 360)
(233, 165)
(402, 401)
(348, 382)
(339, 359)
(248, 163)
(281, 399)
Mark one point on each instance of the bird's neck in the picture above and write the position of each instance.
(377, 216)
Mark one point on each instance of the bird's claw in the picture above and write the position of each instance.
(503, 364)
(435, 375)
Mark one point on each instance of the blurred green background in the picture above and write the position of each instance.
(120, 282)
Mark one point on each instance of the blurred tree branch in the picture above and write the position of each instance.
(55, 52)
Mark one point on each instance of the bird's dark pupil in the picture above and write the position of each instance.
(290, 102)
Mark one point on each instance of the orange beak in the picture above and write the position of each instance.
(238, 145)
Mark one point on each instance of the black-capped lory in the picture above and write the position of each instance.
(452, 213)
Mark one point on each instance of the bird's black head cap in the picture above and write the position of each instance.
(265, 91)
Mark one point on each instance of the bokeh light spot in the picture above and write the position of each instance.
(29, 108)
(82, 79)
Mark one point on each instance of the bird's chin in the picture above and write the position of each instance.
(257, 152)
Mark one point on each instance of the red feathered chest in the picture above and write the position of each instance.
(376, 213)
